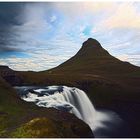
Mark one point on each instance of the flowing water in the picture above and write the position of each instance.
(104, 123)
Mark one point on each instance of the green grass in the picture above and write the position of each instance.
(37, 128)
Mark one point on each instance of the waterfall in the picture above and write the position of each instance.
(81, 102)
(64, 98)
(73, 100)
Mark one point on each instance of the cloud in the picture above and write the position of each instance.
(8, 49)
(9, 13)
(37, 62)
(125, 15)
(77, 8)
(134, 59)
(42, 58)
(53, 18)
(8, 18)
(50, 33)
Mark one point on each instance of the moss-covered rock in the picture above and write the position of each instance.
(48, 128)
(44, 128)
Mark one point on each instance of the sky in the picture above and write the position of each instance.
(39, 36)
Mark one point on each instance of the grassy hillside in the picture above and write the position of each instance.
(25, 120)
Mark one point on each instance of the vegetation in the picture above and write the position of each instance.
(44, 128)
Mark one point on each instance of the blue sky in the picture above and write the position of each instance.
(40, 36)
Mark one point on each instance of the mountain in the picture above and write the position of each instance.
(92, 58)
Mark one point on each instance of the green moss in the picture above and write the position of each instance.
(43, 128)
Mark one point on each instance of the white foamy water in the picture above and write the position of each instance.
(72, 100)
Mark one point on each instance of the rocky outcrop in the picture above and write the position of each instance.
(43, 127)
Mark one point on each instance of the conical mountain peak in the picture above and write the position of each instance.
(91, 57)
(92, 43)
(94, 59)
(91, 47)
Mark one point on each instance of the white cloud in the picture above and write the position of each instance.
(35, 63)
(134, 59)
(42, 58)
(125, 15)
(82, 8)
(53, 18)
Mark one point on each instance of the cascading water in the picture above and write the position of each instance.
(81, 102)
(65, 98)
(75, 101)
